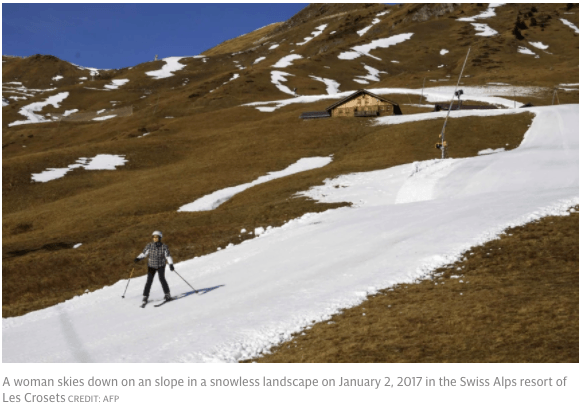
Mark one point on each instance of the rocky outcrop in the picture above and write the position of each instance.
(436, 10)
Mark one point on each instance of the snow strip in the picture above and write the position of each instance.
(99, 162)
(29, 110)
(287, 61)
(398, 119)
(172, 64)
(489, 94)
(484, 30)
(525, 50)
(331, 85)
(277, 77)
(116, 83)
(215, 199)
(373, 74)
(69, 112)
(258, 60)
(105, 117)
(539, 45)
(490, 12)
(491, 151)
(365, 49)
(365, 30)
(570, 25)
(314, 34)
(444, 51)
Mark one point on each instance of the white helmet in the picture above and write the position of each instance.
(159, 233)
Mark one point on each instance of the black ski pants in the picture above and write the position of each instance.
(151, 275)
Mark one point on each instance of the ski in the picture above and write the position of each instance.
(163, 302)
(182, 295)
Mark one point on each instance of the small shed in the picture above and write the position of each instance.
(315, 115)
(359, 104)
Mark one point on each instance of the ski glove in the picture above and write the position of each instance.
(172, 267)
(137, 260)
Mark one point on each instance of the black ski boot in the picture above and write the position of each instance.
(145, 301)
(167, 296)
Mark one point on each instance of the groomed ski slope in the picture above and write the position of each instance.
(405, 221)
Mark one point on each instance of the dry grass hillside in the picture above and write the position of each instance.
(189, 134)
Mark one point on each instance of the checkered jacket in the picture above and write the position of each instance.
(157, 254)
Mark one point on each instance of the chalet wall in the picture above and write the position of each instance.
(363, 103)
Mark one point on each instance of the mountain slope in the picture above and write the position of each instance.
(187, 127)
(406, 221)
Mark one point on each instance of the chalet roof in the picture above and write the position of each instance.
(355, 95)
(315, 115)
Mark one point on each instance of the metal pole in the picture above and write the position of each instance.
(186, 281)
(443, 147)
(128, 283)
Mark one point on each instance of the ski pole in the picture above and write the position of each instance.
(128, 283)
(185, 281)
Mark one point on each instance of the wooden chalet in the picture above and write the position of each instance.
(359, 104)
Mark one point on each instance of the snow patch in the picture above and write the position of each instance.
(570, 25)
(287, 61)
(215, 199)
(331, 85)
(277, 77)
(373, 74)
(492, 95)
(30, 110)
(525, 50)
(365, 49)
(104, 117)
(490, 12)
(539, 45)
(99, 162)
(172, 64)
(116, 83)
(491, 151)
(484, 30)
(314, 34)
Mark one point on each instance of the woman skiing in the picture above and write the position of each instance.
(157, 253)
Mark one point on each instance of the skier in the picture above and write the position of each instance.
(157, 253)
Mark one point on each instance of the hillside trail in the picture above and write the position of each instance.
(311, 267)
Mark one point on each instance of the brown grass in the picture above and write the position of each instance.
(515, 300)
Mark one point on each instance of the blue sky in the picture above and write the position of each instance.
(120, 35)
